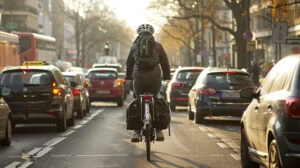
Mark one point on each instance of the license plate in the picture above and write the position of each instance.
(231, 94)
(102, 92)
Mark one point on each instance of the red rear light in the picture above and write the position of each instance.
(196, 70)
(75, 92)
(292, 106)
(207, 90)
(26, 69)
(177, 85)
(147, 98)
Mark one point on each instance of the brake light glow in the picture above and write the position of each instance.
(117, 83)
(54, 84)
(196, 70)
(207, 90)
(26, 69)
(292, 106)
(177, 85)
(75, 92)
(56, 91)
(147, 98)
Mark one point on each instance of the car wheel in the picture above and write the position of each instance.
(245, 158)
(274, 155)
(87, 107)
(198, 117)
(190, 114)
(61, 122)
(80, 113)
(120, 102)
(172, 107)
(7, 139)
(71, 121)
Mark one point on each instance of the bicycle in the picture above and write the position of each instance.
(147, 131)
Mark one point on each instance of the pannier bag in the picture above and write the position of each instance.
(161, 118)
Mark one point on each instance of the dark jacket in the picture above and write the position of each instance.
(161, 71)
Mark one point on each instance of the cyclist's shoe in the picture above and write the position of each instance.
(136, 136)
(159, 136)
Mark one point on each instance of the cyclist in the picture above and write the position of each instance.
(147, 80)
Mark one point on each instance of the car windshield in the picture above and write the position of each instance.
(187, 75)
(18, 78)
(228, 78)
(102, 75)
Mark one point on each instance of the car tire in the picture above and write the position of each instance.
(190, 114)
(198, 117)
(120, 102)
(80, 113)
(87, 108)
(7, 139)
(245, 158)
(71, 121)
(172, 107)
(274, 155)
(62, 122)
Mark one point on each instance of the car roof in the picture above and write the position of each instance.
(102, 69)
(70, 73)
(189, 67)
(219, 69)
(43, 67)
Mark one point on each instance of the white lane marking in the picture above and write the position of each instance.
(68, 132)
(203, 129)
(54, 141)
(43, 152)
(222, 145)
(83, 122)
(76, 126)
(233, 145)
(25, 164)
(211, 135)
(34, 151)
(236, 156)
(13, 165)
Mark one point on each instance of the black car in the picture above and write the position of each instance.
(179, 86)
(38, 94)
(270, 126)
(220, 92)
(5, 120)
(80, 93)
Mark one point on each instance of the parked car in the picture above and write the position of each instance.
(164, 85)
(39, 94)
(81, 99)
(270, 126)
(220, 92)
(126, 84)
(5, 119)
(105, 85)
(180, 85)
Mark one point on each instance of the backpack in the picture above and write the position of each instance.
(145, 56)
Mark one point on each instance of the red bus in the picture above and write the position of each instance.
(9, 50)
(37, 47)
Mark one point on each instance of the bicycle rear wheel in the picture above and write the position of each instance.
(148, 141)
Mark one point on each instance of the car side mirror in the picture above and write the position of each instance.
(256, 94)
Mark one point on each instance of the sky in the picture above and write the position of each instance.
(134, 12)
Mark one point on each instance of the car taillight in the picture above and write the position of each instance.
(207, 90)
(117, 83)
(177, 85)
(75, 92)
(147, 98)
(56, 91)
(292, 106)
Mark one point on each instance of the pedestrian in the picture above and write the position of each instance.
(255, 72)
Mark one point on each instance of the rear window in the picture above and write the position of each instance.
(187, 75)
(102, 75)
(228, 78)
(19, 78)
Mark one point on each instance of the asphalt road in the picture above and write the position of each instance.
(101, 140)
